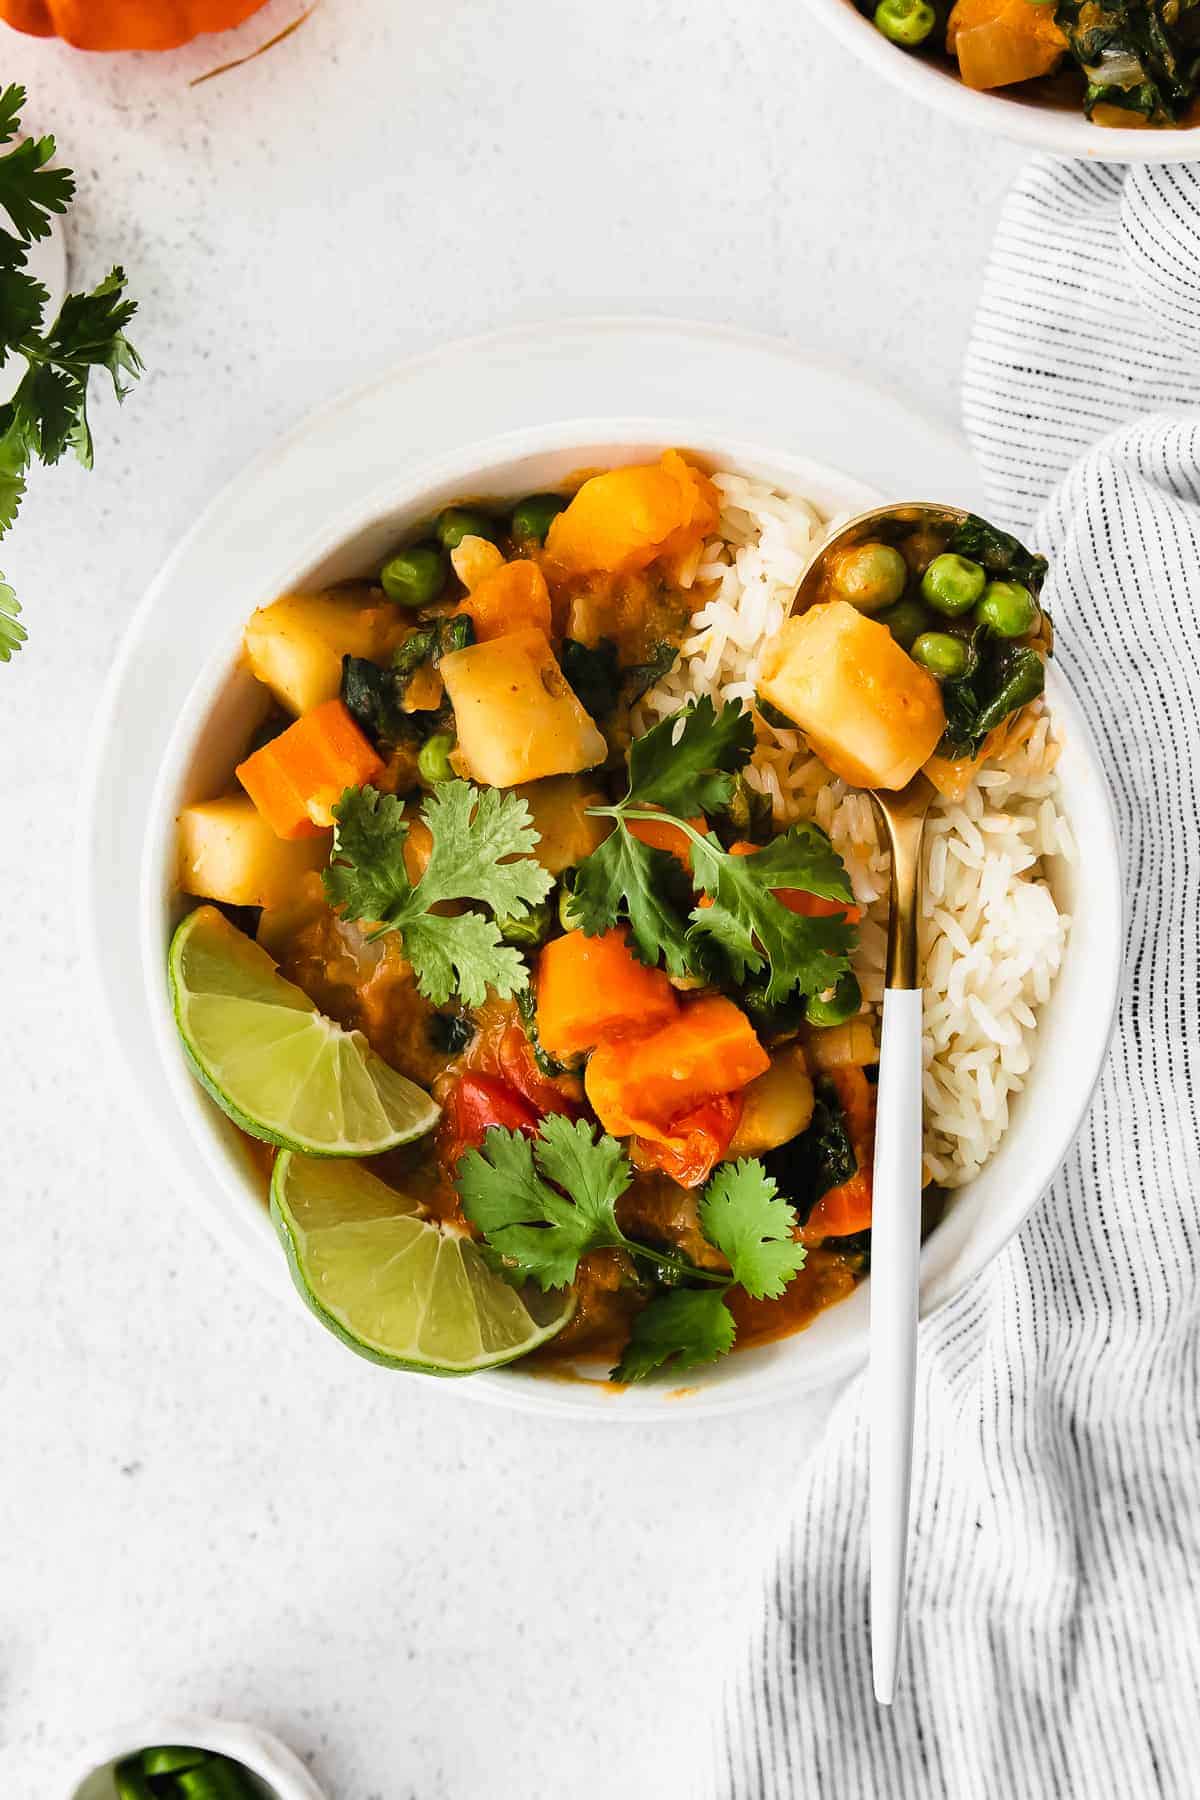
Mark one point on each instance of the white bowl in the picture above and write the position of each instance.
(339, 489)
(1009, 112)
(280, 1775)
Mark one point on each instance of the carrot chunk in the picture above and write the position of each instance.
(297, 779)
(593, 988)
(639, 1086)
(512, 598)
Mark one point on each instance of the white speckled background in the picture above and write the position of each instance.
(204, 1503)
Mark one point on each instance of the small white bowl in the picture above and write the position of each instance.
(278, 1772)
(1009, 112)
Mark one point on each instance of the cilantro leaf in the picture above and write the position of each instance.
(755, 930)
(482, 841)
(742, 1216)
(14, 460)
(29, 191)
(687, 763)
(686, 1327)
(625, 878)
(506, 1191)
(12, 632)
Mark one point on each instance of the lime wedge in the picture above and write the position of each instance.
(277, 1066)
(398, 1288)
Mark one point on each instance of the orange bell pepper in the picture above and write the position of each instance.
(297, 779)
(638, 1086)
(593, 988)
(513, 598)
(843, 1210)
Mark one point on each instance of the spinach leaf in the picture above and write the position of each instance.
(639, 678)
(374, 695)
(1140, 55)
(527, 1007)
(1005, 676)
(593, 674)
(821, 1158)
(450, 1032)
(1002, 556)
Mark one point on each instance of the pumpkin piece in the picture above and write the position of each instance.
(298, 778)
(998, 42)
(590, 989)
(518, 717)
(513, 597)
(868, 710)
(627, 518)
(636, 1086)
(295, 646)
(126, 24)
(228, 852)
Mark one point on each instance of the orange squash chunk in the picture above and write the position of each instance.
(626, 519)
(592, 988)
(297, 779)
(998, 42)
(640, 1085)
(512, 598)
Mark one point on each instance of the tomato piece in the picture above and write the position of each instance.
(841, 1211)
(478, 1103)
(518, 1065)
(691, 1145)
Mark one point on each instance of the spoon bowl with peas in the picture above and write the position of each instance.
(960, 597)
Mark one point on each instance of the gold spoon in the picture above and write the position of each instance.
(896, 1210)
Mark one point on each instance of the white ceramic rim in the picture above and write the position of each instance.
(279, 1768)
(1010, 115)
(946, 1262)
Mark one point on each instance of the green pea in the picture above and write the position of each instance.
(414, 577)
(870, 576)
(907, 22)
(906, 621)
(433, 761)
(952, 584)
(532, 516)
(529, 932)
(458, 522)
(217, 1779)
(943, 655)
(1008, 608)
(835, 1008)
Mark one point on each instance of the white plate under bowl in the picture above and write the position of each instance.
(1007, 112)
(508, 414)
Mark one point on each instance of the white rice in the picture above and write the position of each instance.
(992, 936)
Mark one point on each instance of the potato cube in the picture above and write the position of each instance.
(566, 831)
(297, 644)
(228, 852)
(867, 709)
(517, 715)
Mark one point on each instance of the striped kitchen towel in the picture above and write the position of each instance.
(1053, 1644)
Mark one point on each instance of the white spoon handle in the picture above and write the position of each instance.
(895, 1271)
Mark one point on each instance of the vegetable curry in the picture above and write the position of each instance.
(628, 993)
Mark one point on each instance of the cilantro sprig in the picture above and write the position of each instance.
(543, 1205)
(47, 415)
(481, 854)
(683, 767)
